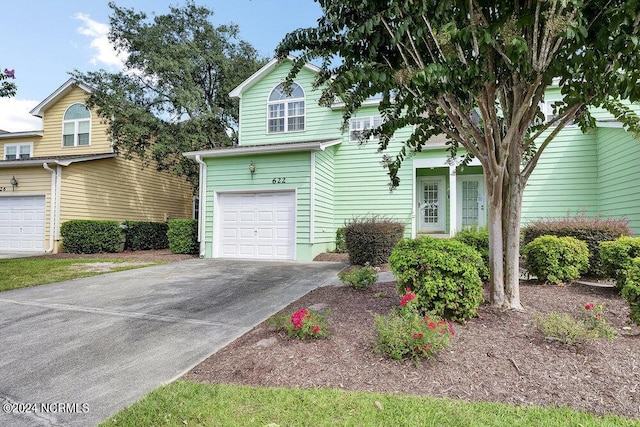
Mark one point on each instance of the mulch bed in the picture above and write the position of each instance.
(497, 357)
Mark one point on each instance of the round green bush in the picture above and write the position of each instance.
(556, 259)
(631, 290)
(443, 273)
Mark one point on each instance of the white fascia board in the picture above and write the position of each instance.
(366, 103)
(22, 134)
(53, 161)
(263, 149)
(39, 109)
(266, 69)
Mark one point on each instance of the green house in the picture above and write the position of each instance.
(296, 176)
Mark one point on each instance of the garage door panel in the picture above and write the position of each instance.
(265, 224)
(22, 223)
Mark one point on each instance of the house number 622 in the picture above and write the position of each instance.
(278, 180)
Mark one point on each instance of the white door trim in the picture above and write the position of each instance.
(482, 202)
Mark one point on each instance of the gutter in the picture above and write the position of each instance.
(52, 207)
(202, 191)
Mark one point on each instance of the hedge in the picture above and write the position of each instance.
(90, 236)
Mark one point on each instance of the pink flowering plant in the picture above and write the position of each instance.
(591, 325)
(405, 334)
(303, 324)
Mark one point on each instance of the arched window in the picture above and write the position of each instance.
(285, 110)
(76, 126)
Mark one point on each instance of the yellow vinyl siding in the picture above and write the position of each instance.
(32, 181)
(51, 143)
(121, 189)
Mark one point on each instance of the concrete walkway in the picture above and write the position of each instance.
(74, 353)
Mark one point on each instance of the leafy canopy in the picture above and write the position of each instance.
(7, 88)
(475, 71)
(172, 95)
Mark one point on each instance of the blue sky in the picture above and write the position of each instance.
(43, 40)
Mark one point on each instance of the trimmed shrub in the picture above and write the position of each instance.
(631, 290)
(91, 237)
(591, 230)
(145, 235)
(371, 240)
(478, 239)
(183, 236)
(359, 278)
(443, 273)
(617, 257)
(556, 259)
(341, 246)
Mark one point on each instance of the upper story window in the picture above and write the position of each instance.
(359, 124)
(285, 110)
(548, 107)
(18, 151)
(76, 126)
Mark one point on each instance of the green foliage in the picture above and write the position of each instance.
(370, 240)
(591, 230)
(302, 324)
(183, 236)
(172, 95)
(341, 246)
(617, 257)
(556, 259)
(575, 332)
(144, 235)
(359, 278)
(443, 273)
(478, 239)
(7, 89)
(631, 290)
(476, 73)
(406, 333)
(90, 237)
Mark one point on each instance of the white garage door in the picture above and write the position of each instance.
(22, 223)
(256, 225)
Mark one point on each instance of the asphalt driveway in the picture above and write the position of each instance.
(74, 353)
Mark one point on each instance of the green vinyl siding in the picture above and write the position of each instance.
(619, 183)
(320, 122)
(324, 232)
(231, 174)
(565, 179)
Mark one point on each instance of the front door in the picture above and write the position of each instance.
(431, 204)
(471, 202)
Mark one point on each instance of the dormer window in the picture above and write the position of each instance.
(76, 126)
(285, 110)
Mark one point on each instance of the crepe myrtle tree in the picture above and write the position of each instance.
(172, 95)
(7, 88)
(476, 71)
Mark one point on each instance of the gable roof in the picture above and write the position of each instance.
(266, 69)
(67, 87)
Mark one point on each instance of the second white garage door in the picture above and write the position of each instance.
(22, 222)
(256, 225)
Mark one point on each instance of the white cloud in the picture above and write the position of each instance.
(15, 117)
(104, 53)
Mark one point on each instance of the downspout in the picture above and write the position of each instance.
(58, 192)
(202, 191)
(52, 207)
(312, 201)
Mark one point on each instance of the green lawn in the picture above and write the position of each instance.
(193, 404)
(25, 272)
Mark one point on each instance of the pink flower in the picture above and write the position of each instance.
(298, 317)
(10, 73)
(418, 336)
(589, 306)
(406, 298)
(431, 325)
(315, 329)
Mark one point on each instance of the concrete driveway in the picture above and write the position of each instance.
(74, 353)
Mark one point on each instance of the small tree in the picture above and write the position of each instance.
(476, 71)
(7, 88)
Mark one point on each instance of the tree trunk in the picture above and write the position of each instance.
(504, 199)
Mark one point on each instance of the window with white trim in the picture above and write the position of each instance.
(18, 151)
(547, 108)
(76, 126)
(286, 111)
(359, 124)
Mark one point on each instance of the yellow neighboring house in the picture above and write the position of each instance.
(69, 170)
